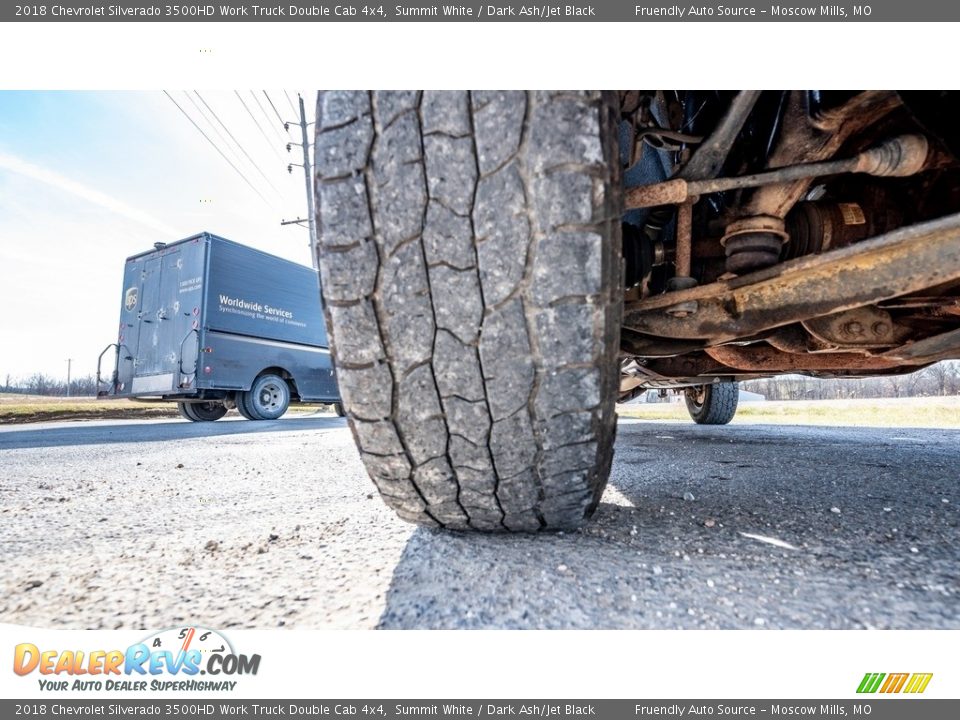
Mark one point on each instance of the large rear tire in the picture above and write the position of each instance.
(713, 404)
(471, 274)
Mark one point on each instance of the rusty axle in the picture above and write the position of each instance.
(900, 157)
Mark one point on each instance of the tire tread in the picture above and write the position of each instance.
(460, 236)
(719, 406)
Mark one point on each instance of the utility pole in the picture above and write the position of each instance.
(69, 363)
(308, 182)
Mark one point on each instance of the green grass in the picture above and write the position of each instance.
(934, 412)
(35, 408)
(31, 408)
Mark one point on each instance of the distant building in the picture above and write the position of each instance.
(653, 396)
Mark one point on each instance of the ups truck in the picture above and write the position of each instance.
(211, 325)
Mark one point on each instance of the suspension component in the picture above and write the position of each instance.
(815, 227)
(682, 280)
(898, 157)
(753, 243)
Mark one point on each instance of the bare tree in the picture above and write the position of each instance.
(86, 385)
(953, 378)
(896, 384)
(914, 382)
(38, 384)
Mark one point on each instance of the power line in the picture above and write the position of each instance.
(220, 135)
(289, 100)
(203, 114)
(214, 145)
(275, 112)
(262, 131)
(237, 142)
(282, 140)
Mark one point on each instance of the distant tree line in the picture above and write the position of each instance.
(43, 384)
(936, 380)
(940, 379)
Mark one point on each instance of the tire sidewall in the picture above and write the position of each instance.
(697, 410)
(186, 411)
(242, 408)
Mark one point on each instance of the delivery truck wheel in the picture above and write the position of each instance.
(471, 275)
(268, 399)
(202, 412)
(240, 400)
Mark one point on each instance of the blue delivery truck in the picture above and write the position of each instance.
(213, 325)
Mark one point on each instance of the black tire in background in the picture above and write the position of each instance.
(241, 402)
(267, 399)
(713, 404)
(338, 409)
(202, 411)
(471, 275)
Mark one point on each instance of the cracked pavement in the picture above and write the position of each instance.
(147, 524)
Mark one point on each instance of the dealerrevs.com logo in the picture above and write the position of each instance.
(171, 659)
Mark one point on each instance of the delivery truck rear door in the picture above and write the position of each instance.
(157, 354)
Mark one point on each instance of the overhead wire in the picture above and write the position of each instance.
(289, 100)
(275, 111)
(255, 122)
(215, 147)
(226, 143)
(282, 140)
(237, 142)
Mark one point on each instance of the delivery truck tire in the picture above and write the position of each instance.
(240, 400)
(469, 251)
(202, 412)
(268, 398)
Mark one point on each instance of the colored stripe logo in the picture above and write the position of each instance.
(913, 683)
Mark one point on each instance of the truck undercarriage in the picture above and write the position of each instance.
(787, 232)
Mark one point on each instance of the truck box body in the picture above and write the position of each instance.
(205, 316)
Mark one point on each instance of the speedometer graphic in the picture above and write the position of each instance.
(180, 640)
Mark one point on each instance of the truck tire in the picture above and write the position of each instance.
(203, 411)
(471, 273)
(240, 399)
(713, 404)
(267, 399)
(338, 409)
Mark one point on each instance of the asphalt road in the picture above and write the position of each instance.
(147, 524)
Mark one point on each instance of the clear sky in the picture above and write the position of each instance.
(89, 178)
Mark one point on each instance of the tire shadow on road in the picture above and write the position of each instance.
(821, 535)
